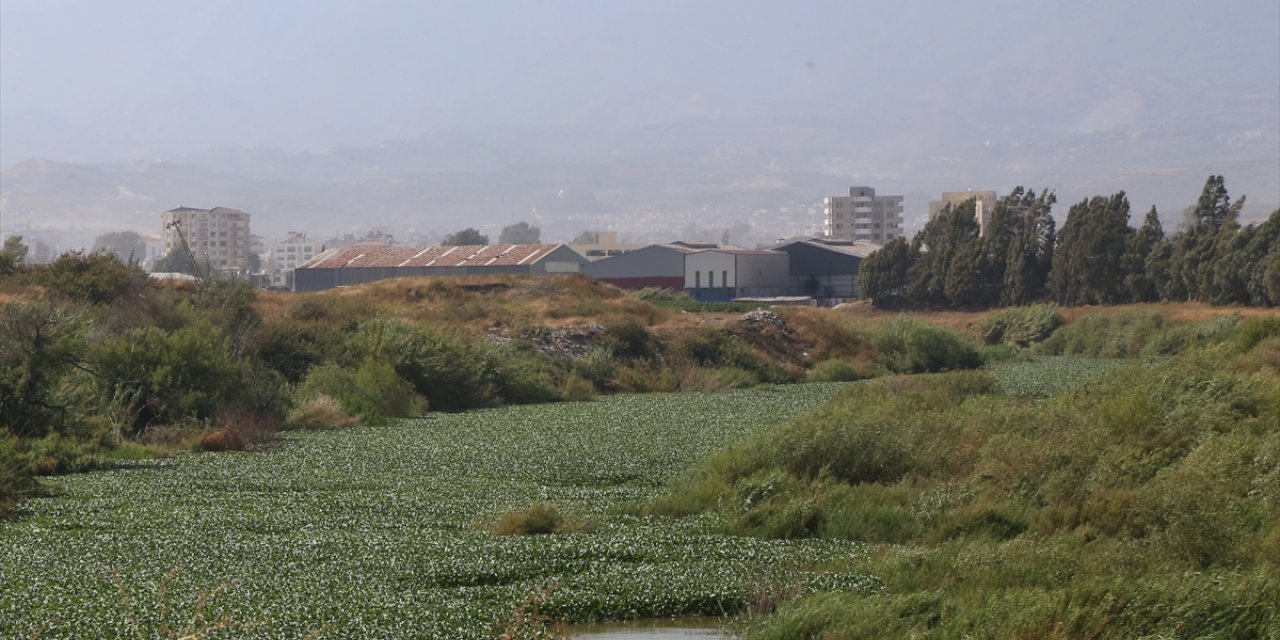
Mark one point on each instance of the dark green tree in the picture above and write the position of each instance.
(1139, 281)
(42, 341)
(1261, 248)
(466, 237)
(128, 245)
(936, 246)
(1208, 226)
(882, 276)
(96, 278)
(520, 233)
(969, 276)
(12, 255)
(1087, 261)
(177, 261)
(1027, 218)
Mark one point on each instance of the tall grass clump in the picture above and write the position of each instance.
(16, 480)
(1020, 327)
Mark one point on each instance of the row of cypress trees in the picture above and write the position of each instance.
(1095, 258)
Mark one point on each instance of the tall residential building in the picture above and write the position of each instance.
(219, 235)
(985, 202)
(863, 215)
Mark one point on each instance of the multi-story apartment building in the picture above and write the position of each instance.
(288, 255)
(984, 201)
(219, 235)
(863, 215)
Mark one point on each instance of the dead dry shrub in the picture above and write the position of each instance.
(541, 518)
(237, 431)
(320, 412)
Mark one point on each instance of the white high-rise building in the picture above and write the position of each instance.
(862, 215)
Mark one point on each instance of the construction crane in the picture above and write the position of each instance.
(176, 225)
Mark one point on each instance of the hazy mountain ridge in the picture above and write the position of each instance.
(702, 171)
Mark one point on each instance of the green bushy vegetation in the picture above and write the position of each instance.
(1115, 506)
(907, 345)
(1143, 333)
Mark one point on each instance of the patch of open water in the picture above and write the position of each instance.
(686, 629)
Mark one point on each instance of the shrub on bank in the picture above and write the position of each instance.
(906, 345)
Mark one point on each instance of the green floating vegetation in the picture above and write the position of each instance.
(383, 532)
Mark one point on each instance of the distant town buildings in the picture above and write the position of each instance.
(154, 249)
(862, 215)
(594, 245)
(219, 235)
(289, 255)
(985, 205)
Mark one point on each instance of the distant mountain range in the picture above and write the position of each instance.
(657, 181)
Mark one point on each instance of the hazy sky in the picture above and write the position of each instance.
(94, 80)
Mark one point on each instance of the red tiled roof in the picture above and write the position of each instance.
(463, 256)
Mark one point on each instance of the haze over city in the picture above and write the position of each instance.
(659, 119)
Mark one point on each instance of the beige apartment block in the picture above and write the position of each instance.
(219, 235)
(863, 215)
(985, 205)
(289, 255)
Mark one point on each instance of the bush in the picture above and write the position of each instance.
(720, 348)
(380, 393)
(291, 348)
(1020, 327)
(375, 392)
(911, 346)
(451, 371)
(523, 376)
(189, 374)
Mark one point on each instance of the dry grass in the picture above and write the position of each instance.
(320, 412)
(237, 431)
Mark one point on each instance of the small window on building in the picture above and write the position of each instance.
(697, 279)
(711, 278)
(724, 278)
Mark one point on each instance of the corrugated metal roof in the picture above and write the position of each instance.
(460, 256)
(739, 251)
(856, 249)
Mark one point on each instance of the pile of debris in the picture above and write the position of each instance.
(763, 317)
(570, 341)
